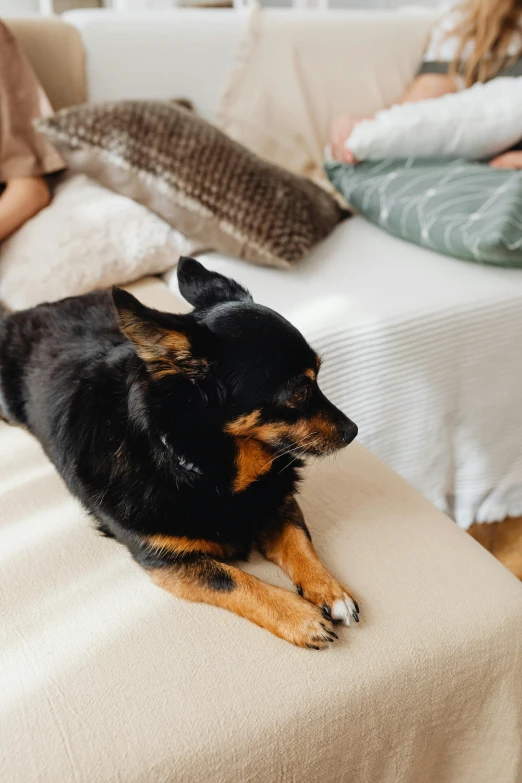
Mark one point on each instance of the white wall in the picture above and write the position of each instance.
(18, 6)
(387, 3)
(24, 6)
(364, 3)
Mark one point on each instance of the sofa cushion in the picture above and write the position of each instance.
(207, 186)
(461, 208)
(105, 677)
(476, 123)
(88, 237)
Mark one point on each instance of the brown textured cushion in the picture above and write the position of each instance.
(207, 186)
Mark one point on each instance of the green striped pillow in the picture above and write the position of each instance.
(460, 208)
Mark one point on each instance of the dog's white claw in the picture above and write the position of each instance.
(343, 609)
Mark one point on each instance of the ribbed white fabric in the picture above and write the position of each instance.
(429, 393)
(424, 352)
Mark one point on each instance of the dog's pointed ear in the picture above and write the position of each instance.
(203, 288)
(169, 344)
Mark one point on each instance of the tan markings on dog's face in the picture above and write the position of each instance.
(323, 426)
(315, 434)
(252, 461)
(252, 458)
(242, 426)
(311, 373)
(272, 432)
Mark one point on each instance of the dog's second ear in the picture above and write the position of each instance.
(203, 288)
(168, 344)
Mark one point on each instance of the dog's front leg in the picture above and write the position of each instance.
(280, 611)
(287, 542)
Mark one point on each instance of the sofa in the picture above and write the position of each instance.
(103, 677)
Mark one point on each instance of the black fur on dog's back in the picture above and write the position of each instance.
(170, 425)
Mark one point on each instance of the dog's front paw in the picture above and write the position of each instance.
(303, 624)
(334, 600)
(344, 609)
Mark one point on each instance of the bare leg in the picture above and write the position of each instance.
(287, 543)
(283, 613)
(22, 198)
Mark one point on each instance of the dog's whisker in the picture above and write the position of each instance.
(285, 451)
(295, 448)
(306, 451)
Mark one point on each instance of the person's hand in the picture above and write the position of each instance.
(508, 160)
(342, 130)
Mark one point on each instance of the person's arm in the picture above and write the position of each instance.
(423, 87)
(428, 85)
(22, 198)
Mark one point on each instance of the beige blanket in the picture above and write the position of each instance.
(297, 72)
(104, 678)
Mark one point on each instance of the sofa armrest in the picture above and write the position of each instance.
(56, 53)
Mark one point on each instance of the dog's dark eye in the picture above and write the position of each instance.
(300, 396)
(298, 392)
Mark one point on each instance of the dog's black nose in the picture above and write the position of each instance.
(349, 431)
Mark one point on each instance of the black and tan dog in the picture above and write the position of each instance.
(183, 436)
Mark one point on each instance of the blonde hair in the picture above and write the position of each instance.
(490, 26)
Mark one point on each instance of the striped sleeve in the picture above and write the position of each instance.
(433, 66)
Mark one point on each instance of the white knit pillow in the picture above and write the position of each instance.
(88, 237)
(476, 123)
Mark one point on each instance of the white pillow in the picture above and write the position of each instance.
(477, 123)
(88, 237)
